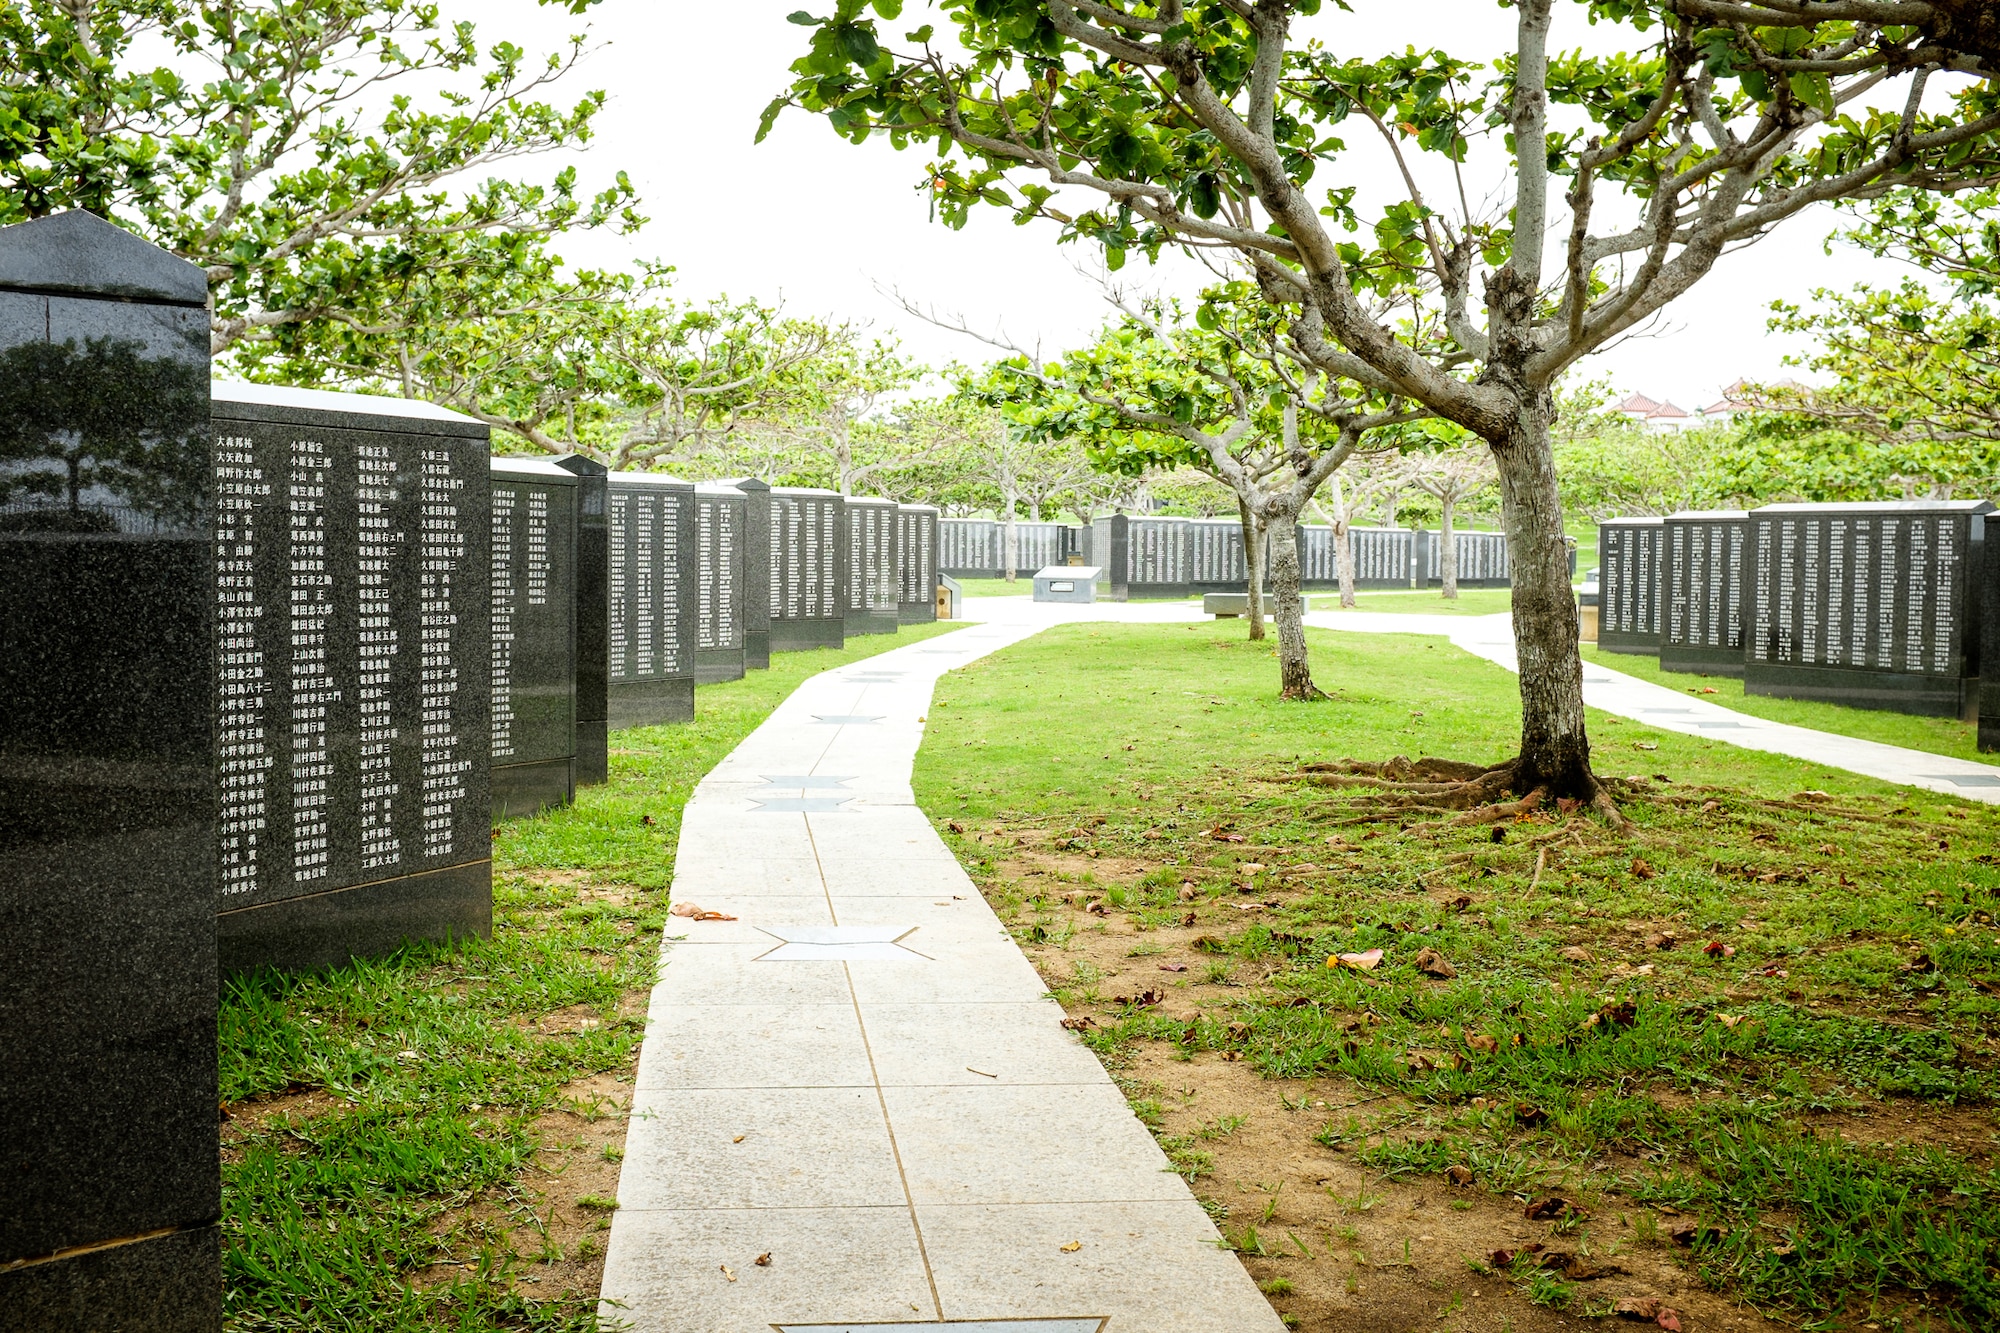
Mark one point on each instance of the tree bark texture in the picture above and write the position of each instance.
(1447, 549)
(1555, 751)
(1253, 567)
(1010, 541)
(1294, 669)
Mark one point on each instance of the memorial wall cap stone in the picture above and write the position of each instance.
(81, 253)
(318, 407)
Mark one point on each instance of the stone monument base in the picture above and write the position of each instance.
(1639, 645)
(757, 650)
(871, 621)
(1886, 691)
(593, 753)
(799, 636)
(712, 666)
(162, 1284)
(365, 921)
(529, 789)
(652, 703)
(1701, 661)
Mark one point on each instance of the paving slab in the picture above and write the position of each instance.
(1492, 637)
(863, 1078)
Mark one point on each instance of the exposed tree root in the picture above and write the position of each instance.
(1467, 794)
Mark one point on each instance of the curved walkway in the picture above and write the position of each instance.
(856, 1104)
(1492, 637)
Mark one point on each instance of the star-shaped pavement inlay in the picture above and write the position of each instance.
(839, 944)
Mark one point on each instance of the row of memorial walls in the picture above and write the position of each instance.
(916, 564)
(873, 600)
(1482, 559)
(1383, 558)
(534, 655)
(1628, 584)
(976, 548)
(110, 1187)
(593, 618)
(1701, 577)
(1870, 605)
(720, 518)
(652, 583)
(808, 569)
(353, 648)
(1215, 555)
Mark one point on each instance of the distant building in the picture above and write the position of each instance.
(1653, 415)
(1736, 400)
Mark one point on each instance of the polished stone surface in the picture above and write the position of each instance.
(721, 514)
(593, 617)
(756, 597)
(654, 599)
(534, 636)
(108, 1081)
(916, 564)
(809, 568)
(353, 650)
(1702, 559)
(873, 578)
(1629, 584)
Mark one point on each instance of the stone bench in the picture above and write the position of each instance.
(1230, 605)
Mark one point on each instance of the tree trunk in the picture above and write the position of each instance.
(1294, 669)
(1253, 568)
(1343, 544)
(1447, 548)
(1555, 749)
(1010, 542)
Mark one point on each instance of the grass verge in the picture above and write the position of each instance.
(1741, 1063)
(430, 1141)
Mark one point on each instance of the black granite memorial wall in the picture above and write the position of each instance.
(109, 1167)
(808, 579)
(352, 652)
(1215, 555)
(1629, 586)
(755, 594)
(593, 618)
(976, 548)
(1989, 655)
(1869, 605)
(872, 596)
(1702, 575)
(653, 582)
(1482, 559)
(534, 507)
(721, 514)
(916, 564)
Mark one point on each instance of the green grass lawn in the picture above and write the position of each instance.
(1767, 1016)
(1937, 735)
(412, 1142)
(1422, 601)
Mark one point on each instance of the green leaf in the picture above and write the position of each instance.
(859, 43)
(921, 36)
(803, 19)
(889, 9)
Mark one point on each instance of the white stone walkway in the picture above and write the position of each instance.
(864, 1079)
(1492, 637)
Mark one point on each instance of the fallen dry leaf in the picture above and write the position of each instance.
(1482, 1043)
(1576, 953)
(1082, 1023)
(1553, 1205)
(1173, 967)
(1360, 962)
(693, 913)
(1071, 1248)
(1432, 964)
(1641, 868)
(1717, 949)
(739, 1138)
(763, 1260)
(1252, 867)
(1187, 893)
(1644, 745)
(1527, 1113)
(1664, 940)
(728, 1272)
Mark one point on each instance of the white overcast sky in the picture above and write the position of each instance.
(823, 223)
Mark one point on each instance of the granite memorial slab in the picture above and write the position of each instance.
(1067, 583)
(916, 564)
(1702, 575)
(1869, 605)
(110, 1185)
(1215, 555)
(534, 507)
(809, 569)
(720, 513)
(1988, 736)
(1628, 584)
(1482, 559)
(654, 600)
(976, 548)
(353, 655)
(874, 599)
(593, 618)
(754, 596)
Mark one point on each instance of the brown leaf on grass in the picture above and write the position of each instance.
(954, 826)
(1641, 1309)
(1173, 967)
(1459, 1175)
(1360, 962)
(1576, 953)
(1186, 894)
(1458, 904)
(1208, 944)
(1566, 804)
(1553, 1205)
(763, 1260)
(1732, 1020)
(1224, 835)
(1252, 867)
(1420, 1064)
(1187, 919)
(1664, 940)
(1482, 1043)
(693, 913)
(1527, 1113)
(1644, 745)
(1717, 949)
(1669, 1319)
(1081, 1023)
(1693, 1233)
(1921, 963)
(1621, 1013)
(1506, 1258)
(1641, 868)
(1433, 964)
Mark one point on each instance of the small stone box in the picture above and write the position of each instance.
(1231, 605)
(1066, 583)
